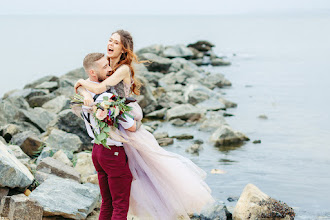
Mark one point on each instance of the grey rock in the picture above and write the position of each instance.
(29, 143)
(195, 97)
(3, 192)
(28, 93)
(22, 207)
(177, 51)
(198, 61)
(46, 152)
(158, 114)
(18, 152)
(228, 104)
(84, 165)
(8, 111)
(218, 211)
(211, 104)
(176, 97)
(213, 121)
(57, 104)
(66, 91)
(66, 198)
(165, 141)
(185, 112)
(257, 142)
(177, 122)
(202, 45)
(67, 121)
(19, 102)
(155, 49)
(263, 117)
(146, 100)
(225, 136)
(4, 206)
(160, 135)
(41, 176)
(153, 77)
(2, 140)
(38, 101)
(158, 63)
(13, 173)
(194, 149)
(61, 156)
(49, 78)
(59, 168)
(8, 131)
(183, 137)
(59, 139)
(219, 62)
(216, 80)
(51, 86)
(39, 117)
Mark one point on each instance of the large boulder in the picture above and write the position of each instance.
(57, 104)
(84, 165)
(38, 101)
(67, 198)
(61, 140)
(225, 135)
(158, 63)
(155, 49)
(29, 143)
(213, 121)
(21, 207)
(8, 111)
(216, 80)
(13, 173)
(19, 153)
(59, 168)
(37, 82)
(254, 204)
(39, 117)
(51, 86)
(185, 112)
(146, 100)
(177, 51)
(67, 121)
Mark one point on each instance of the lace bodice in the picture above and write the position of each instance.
(121, 89)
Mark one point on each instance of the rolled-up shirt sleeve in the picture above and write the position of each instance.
(129, 122)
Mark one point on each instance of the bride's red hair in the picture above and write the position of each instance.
(127, 57)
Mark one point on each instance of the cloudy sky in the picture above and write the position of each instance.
(159, 6)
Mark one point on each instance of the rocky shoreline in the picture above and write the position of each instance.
(45, 147)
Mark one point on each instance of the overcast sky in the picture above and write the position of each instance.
(159, 6)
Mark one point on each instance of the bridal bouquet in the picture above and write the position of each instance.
(107, 115)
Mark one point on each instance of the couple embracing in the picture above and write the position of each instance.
(136, 176)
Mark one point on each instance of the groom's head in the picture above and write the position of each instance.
(96, 66)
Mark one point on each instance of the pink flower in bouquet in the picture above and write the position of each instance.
(100, 114)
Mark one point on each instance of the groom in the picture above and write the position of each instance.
(112, 168)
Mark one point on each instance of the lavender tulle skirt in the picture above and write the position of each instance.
(165, 185)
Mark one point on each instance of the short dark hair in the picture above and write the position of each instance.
(90, 60)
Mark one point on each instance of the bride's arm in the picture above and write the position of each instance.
(120, 74)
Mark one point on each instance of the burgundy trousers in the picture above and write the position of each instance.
(115, 180)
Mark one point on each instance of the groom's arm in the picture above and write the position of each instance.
(88, 98)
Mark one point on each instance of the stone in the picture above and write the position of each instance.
(218, 171)
(42, 175)
(185, 112)
(29, 143)
(3, 192)
(177, 51)
(8, 131)
(46, 152)
(59, 169)
(25, 208)
(18, 153)
(165, 141)
(61, 156)
(93, 179)
(28, 93)
(67, 121)
(4, 207)
(216, 211)
(255, 204)
(228, 104)
(225, 136)
(51, 86)
(158, 114)
(38, 101)
(158, 63)
(84, 165)
(57, 104)
(194, 149)
(59, 139)
(49, 78)
(177, 122)
(183, 136)
(195, 97)
(263, 117)
(153, 77)
(155, 49)
(216, 80)
(66, 198)
(213, 121)
(146, 100)
(13, 173)
(8, 111)
(39, 117)
(233, 198)
(219, 62)
(2, 140)
(257, 142)
(160, 135)
(202, 45)
(19, 102)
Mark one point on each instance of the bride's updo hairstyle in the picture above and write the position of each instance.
(128, 57)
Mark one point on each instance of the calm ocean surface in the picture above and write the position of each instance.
(281, 69)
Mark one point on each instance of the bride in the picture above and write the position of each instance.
(165, 185)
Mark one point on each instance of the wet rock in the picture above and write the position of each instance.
(59, 139)
(29, 143)
(217, 211)
(57, 104)
(202, 46)
(165, 141)
(219, 62)
(8, 131)
(257, 142)
(225, 135)
(177, 51)
(39, 117)
(158, 63)
(160, 135)
(177, 122)
(61, 156)
(22, 207)
(183, 136)
(13, 172)
(254, 204)
(213, 121)
(233, 198)
(58, 168)
(37, 82)
(216, 80)
(66, 198)
(85, 165)
(228, 104)
(263, 117)
(185, 112)
(67, 121)
(194, 149)
(158, 114)
(155, 49)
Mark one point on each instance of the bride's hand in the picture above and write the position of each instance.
(78, 84)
